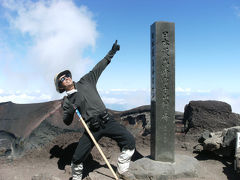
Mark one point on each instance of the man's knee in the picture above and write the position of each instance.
(129, 142)
(132, 143)
(81, 152)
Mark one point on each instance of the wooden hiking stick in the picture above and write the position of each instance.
(95, 142)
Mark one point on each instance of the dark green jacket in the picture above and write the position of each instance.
(87, 99)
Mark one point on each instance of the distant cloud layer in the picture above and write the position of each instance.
(23, 97)
(55, 33)
(124, 99)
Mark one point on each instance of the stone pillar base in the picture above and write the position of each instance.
(183, 167)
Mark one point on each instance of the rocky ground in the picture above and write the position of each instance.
(49, 157)
(53, 161)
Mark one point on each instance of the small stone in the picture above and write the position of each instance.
(205, 135)
(212, 144)
(198, 148)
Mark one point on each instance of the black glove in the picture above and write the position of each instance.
(67, 106)
(115, 47)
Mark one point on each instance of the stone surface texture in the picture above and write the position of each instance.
(184, 167)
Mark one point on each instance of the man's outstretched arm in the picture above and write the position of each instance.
(95, 73)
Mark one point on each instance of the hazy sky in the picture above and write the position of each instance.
(40, 38)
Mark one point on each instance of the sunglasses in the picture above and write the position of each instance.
(64, 77)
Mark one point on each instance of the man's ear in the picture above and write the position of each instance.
(61, 88)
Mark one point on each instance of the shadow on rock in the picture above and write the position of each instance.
(228, 163)
(136, 156)
(65, 156)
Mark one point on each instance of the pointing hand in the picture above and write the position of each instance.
(116, 47)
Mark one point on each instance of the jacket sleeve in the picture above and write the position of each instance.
(68, 112)
(95, 73)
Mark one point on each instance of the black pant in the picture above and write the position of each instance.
(111, 129)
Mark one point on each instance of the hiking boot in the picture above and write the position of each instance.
(77, 171)
(125, 176)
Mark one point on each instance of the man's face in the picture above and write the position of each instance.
(66, 81)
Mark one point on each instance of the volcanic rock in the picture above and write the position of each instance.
(27, 126)
(209, 115)
(221, 142)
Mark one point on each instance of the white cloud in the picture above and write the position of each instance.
(24, 97)
(179, 89)
(111, 100)
(123, 90)
(203, 91)
(188, 91)
(57, 33)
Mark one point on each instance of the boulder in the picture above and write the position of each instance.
(205, 135)
(229, 136)
(213, 143)
(222, 142)
(209, 115)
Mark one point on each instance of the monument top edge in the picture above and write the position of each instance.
(163, 22)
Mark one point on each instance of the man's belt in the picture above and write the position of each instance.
(97, 121)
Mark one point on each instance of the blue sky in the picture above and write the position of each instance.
(40, 38)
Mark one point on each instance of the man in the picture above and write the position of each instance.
(84, 96)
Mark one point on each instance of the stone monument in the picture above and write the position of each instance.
(163, 91)
(164, 163)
